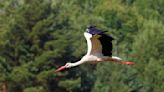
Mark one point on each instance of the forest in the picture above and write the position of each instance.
(38, 36)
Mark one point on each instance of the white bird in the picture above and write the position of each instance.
(99, 49)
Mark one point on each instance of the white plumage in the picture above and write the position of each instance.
(97, 48)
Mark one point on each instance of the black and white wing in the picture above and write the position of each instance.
(99, 44)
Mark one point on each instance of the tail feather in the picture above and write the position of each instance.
(115, 57)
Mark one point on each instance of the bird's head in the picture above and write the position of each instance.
(68, 65)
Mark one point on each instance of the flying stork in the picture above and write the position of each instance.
(99, 49)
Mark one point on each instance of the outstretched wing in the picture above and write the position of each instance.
(94, 45)
(106, 42)
(99, 44)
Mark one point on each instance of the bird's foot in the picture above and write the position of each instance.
(128, 63)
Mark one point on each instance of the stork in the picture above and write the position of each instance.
(99, 49)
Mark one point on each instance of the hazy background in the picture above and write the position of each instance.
(38, 36)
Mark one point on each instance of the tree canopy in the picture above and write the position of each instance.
(38, 36)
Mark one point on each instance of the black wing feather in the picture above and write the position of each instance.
(106, 42)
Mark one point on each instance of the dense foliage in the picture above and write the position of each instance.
(37, 36)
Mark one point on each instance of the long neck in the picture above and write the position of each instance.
(77, 63)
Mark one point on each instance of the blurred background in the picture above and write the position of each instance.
(38, 36)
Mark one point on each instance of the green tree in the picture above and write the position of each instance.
(38, 36)
(150, 58)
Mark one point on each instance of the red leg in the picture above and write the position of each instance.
(114, 60)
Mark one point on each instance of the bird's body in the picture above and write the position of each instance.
(99, 48)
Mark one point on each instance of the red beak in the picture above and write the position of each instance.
(60, 69)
